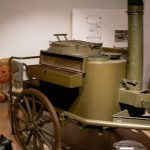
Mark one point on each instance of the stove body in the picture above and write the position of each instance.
(79, 78)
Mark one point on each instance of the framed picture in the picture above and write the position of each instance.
(121, 35)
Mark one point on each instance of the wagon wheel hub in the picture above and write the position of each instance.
(32, 126)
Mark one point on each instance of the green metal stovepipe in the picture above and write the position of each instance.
(135, 43)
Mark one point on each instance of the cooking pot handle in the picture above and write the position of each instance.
(58, 36)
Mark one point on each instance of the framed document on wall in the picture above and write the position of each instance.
(100, 26)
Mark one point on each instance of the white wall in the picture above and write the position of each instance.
(26, 26)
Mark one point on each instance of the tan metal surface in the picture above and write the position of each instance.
(75, 47)
(70, 62)
(98, 95)
(56, 76)
(133, 94)
(135, 98)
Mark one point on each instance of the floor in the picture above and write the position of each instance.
(75, 137)
(5, 128)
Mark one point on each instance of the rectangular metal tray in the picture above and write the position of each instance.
(70, 62)
(59, 76)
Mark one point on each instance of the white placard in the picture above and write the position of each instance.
(99, 25)
(93, 27)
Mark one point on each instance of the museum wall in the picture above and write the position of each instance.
(28, 25)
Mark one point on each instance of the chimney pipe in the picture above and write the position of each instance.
(135, 44)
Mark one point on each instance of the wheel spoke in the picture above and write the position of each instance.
(35, 144)
(23, 129)
(40, 112)
(28, 138)
(45, 140)
(33, 107)
(23, 110)
(40, 142)
(21, 119)
(45, 131)
(28, 106)
(25, 138)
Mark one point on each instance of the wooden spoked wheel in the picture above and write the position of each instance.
(35, 121)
